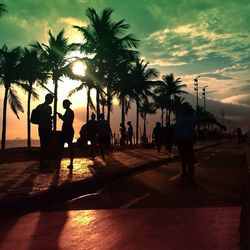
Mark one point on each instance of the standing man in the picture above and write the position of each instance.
(44, 127)
(130, 133)
(67, 129)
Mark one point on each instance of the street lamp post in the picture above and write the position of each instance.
(196, 89)
(204, 96)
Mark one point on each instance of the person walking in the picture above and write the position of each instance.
(104, 135)
(184, 138)
(67, 129)
(130, 133)
(44, 121)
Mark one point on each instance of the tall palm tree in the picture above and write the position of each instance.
(9, 61)
(170, 87)
(123, 88)
(103, 38)
(147, 108)
(31, 71)
(56, 56)
(142, 78)
(2, 8)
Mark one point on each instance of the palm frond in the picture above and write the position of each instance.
(15, 102)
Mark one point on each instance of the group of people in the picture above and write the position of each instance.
(163, 136)
(183, 135)
(126, 135)
(96, 132)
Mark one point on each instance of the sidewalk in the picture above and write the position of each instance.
(25, 188)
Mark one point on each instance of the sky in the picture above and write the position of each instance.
(189, 38)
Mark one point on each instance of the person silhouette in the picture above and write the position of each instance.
(130, 133)
(184, 138)
(104, 134)
(91, 134)
(67, 129)
(123, 134)
(44, 127)
(157, 136)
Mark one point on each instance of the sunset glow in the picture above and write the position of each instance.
(79, 68)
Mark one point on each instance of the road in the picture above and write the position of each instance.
(161, 215)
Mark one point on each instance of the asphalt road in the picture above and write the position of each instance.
(149, 210)
(220, 173)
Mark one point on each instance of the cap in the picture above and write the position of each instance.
(66, 101)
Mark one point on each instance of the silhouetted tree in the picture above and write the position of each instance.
(9, 60)
(170, 87)
(142, 78)
(56, 56)
(31, 71)
(2, 9)
(103, 38)
(147, 108)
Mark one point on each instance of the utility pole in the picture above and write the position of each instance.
(204, 96)
(196, 89)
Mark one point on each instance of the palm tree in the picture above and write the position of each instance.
(9, 60)
(147, 108)
(104, 39)
(2, 8)
(123, 88)
(31, 72)
(56, 56)
(142, 77)
(87, 82)
(170, 88)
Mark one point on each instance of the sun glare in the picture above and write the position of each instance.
(79, 68)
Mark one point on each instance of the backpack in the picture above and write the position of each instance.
(35, 116)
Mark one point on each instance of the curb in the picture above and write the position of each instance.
(65, 192)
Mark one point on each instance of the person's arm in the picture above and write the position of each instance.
(60, 116)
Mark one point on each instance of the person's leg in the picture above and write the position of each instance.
(71, 154)
(190, 161)
(44, 141)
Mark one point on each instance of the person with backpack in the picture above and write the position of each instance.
(41, 116)
(67, 129)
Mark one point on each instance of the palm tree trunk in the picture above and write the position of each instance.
(169, 116)
(103, 109)
(123, 110)
(55, 104)
(4, 118)
(97, 104)
(137, 121)
(162, 114)
(28, 119)
(88, 102)
(108, 103)
(144, 131)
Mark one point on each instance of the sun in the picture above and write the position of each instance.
(79, 68)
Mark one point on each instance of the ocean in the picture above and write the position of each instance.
(21, 143)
